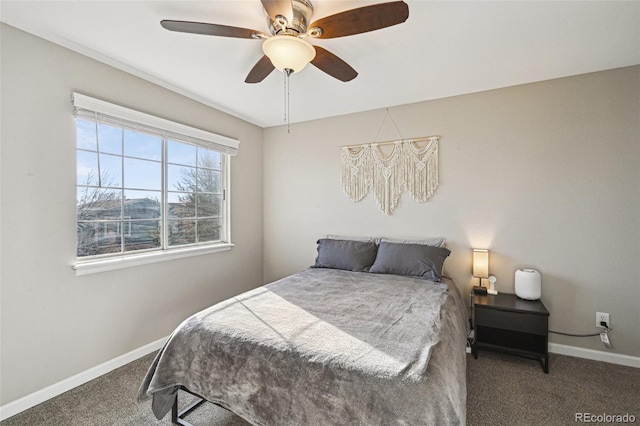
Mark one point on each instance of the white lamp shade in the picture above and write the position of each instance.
(288, 52)
(481, 263)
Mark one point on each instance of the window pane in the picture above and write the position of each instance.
(98, 203)
(180, 178)
(142, 204)
(85, 134)
(142, 145)
(141, 235)
(109, 139)
(209, 159)
(181, 153)
(178, 197)
(208, 230)
(182, 205)
(209, 181)
(98, 238)
(142, 174)
(86, 168)
(111, 170)
(182, 232)
(209, 205)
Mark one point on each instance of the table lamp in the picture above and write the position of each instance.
(480, 268)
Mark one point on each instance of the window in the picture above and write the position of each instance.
(147, 185)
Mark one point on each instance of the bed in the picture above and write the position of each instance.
(372, 334)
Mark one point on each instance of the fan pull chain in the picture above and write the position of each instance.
(287, 103)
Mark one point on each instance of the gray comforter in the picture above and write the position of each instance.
(324, 347)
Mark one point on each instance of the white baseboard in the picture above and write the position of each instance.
(610, 357)
(31, 400)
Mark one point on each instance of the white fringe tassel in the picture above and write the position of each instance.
(388, 179)
(356, 171)
(421, 169)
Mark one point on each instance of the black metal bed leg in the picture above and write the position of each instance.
(174, 411)
(177, 416)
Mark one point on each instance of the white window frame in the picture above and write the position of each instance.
(86, 105)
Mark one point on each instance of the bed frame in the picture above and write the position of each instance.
(177, 416)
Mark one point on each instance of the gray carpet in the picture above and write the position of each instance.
(502, 390)
(506, 390)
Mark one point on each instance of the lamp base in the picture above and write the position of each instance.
(479, 290)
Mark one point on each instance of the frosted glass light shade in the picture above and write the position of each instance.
(481, 263)
(288, 52)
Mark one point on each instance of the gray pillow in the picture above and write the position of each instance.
(355, 256)
(416, 260)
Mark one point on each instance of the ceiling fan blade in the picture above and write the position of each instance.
(332, 65)
(208, 29)
(260, 70)
(278, 7)
(362, 20)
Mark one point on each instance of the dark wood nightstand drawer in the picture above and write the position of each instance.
(516, 321)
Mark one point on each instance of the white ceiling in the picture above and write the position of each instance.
(445, 48)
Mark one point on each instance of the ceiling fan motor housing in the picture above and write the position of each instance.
(302, 10)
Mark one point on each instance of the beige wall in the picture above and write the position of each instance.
(545, 175)
(54, 324)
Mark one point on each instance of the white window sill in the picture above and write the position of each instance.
(112, 263)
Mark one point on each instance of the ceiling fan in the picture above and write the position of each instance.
(287, 48)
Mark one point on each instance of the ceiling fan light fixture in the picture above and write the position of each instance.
(288, 52)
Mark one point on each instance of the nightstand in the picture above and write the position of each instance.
(506, 323)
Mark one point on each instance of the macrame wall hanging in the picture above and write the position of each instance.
(389, 169)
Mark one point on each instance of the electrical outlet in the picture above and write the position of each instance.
(602, 317)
